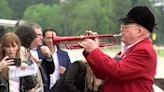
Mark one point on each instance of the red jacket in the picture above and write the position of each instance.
(133, 73)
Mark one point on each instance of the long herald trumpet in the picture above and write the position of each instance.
(65, 39)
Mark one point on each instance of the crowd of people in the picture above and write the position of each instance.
(30, 47)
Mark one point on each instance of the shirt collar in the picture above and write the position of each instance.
(125, 48)
(55, 49)
(134, 43)
(34, 49)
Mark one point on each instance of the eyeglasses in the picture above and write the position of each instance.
(125, 27)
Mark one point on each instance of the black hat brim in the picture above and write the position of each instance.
(127, 20)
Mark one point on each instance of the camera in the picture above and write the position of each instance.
(17, 61)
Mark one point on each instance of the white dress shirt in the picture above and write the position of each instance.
(55, 75)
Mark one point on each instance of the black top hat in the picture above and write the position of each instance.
(142, 16)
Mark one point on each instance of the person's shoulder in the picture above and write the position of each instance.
(80, 63)
(145, 44)
(38, 47)
(61, 50)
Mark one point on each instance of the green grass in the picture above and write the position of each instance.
(160, 52)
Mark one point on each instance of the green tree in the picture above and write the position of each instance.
(6, 12)
(19, 6)
(120, 10)
(90, 15)
(42, 14)
(73, 17)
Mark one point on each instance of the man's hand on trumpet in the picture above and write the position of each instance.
(90, 44)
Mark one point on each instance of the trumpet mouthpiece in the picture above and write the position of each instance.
(118, 35)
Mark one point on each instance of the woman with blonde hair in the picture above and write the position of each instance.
(92, 84)
(77, 78)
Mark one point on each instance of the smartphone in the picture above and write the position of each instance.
(17, 61)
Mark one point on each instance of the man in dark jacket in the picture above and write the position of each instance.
(43, 54)
(40, 54)
(60, 57)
